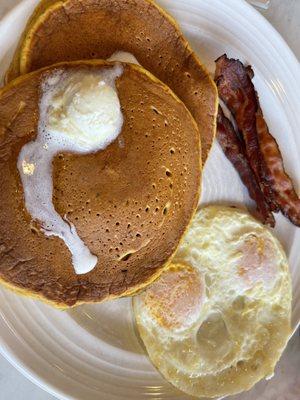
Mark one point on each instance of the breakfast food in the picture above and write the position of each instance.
(121, 154)
(79, 112)
(234, 82)
(218, 319)
(233, 148)
(97, 29)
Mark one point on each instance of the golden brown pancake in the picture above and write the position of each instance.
(94, 29)
(130, 203)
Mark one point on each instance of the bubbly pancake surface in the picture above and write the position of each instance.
(73, 30)
(218, 319)
(130, 203)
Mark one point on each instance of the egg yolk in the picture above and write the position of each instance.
(258, 261)
(174, 300)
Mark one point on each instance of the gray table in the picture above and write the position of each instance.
(285, 16)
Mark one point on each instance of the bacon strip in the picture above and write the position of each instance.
(234, 151)
(238, 93)
(285, 194)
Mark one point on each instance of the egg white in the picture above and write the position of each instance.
(237, 332)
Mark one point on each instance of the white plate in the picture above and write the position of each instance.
(92, 352)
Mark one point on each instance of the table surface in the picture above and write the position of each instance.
(285, 17)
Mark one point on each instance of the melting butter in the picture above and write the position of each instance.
(28, 168)
(123, 56)
(80, 112)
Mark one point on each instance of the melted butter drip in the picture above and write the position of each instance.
(80, 112)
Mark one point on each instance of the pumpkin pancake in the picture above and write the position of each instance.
(130, 203)
(68, 30)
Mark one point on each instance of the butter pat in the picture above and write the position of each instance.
(86, 109)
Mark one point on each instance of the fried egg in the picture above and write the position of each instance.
(218, 318)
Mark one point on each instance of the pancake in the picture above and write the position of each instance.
(73, 30)
(131, 203)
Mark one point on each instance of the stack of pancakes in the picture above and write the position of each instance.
(132, 202)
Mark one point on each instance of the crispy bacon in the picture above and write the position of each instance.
(285, 194)
(234, 151)
(238, 93)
